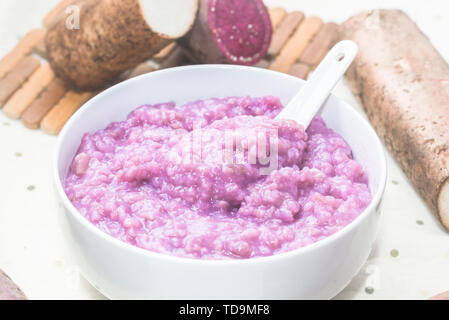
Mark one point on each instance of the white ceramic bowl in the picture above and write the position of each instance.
(121, 271)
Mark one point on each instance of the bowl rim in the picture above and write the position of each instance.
(120, 245)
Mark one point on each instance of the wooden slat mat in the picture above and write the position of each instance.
(29, 90)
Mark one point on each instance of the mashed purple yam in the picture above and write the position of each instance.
(131, 180)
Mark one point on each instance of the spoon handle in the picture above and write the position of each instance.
(307, 103)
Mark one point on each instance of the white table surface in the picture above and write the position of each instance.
(34, 254)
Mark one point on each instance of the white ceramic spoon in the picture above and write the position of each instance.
(309, 100)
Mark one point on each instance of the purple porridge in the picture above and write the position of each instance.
(141, 181)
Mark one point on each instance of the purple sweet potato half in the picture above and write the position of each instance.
(229, 31)
(8, 289)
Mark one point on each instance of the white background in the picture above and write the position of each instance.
(32, 249)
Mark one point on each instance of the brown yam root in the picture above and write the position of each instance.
(114, 36)
(441, 296)
(403, 85)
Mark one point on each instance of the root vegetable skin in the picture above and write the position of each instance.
(403, 85)
(441, 296)
(8, 289)
(114, 36)
(198, 43)
(224, 33)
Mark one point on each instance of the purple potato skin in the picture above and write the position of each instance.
(198, 42)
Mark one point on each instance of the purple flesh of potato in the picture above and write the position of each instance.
(234, 31)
